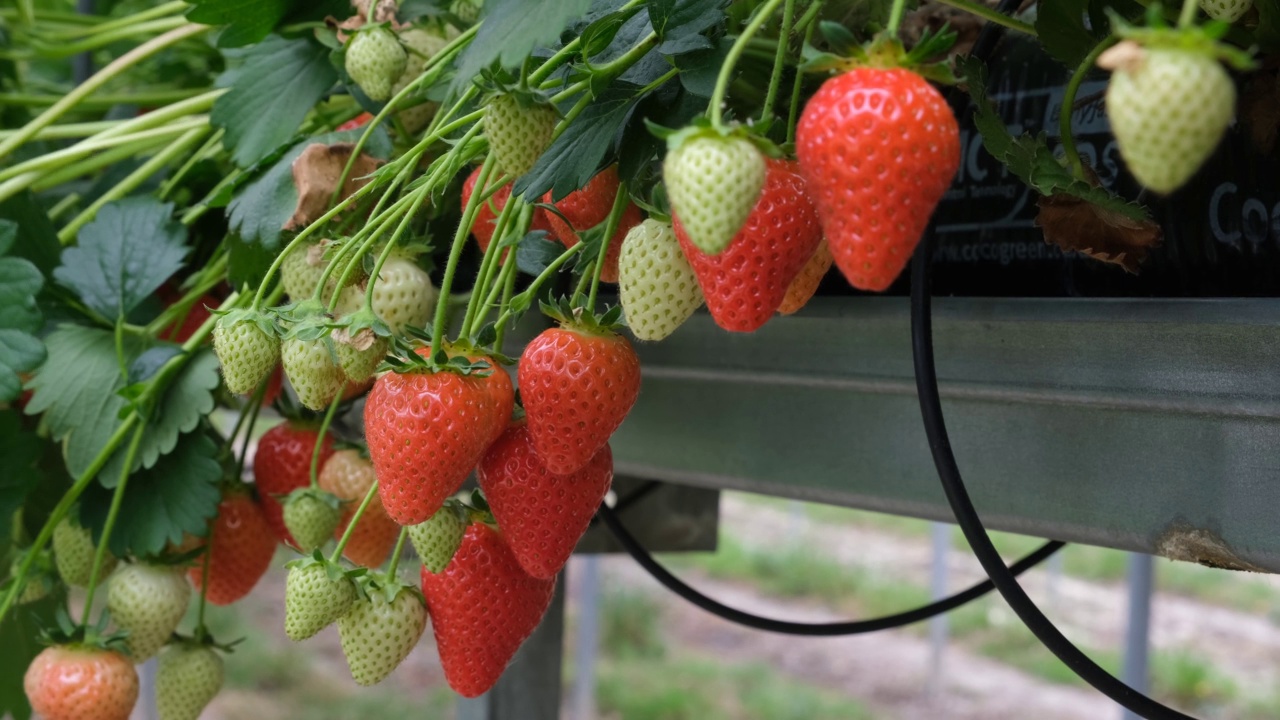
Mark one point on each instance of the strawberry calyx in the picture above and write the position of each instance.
(261, 319)
(1158, 35)
(573, 315)
(82, 636)
(361, 329)
(306, 320)
(415, 356)
(203, 639)
(701, 127)
(333, 570)
(389, 587)
(927, 58)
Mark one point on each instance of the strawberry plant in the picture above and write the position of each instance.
(226, 197)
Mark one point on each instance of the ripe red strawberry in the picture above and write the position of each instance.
(241, 549)
(349, 476)
(519, 130)
(188, 676)
(745, 284)
(381, 628)
(713, 182)
(426, 431)
(356, 122)
(487, 215)
(806, 282)
(578, 386)
(73, 552)
(73, 682)
(148, 602)
(282, 464)
(542, 515)
(586, 208)
(483, 607)
(878, 148)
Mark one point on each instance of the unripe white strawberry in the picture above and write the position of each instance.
(657, 285)
(1168, 108)
(247, 348)
(312, 370)
(1226, 10)
(375, 60)
(712, 182)
(147, 601)
(519, 131)
(403, 295)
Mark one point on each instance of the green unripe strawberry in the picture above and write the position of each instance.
(40, 580)
(360, 354)
(313, 371)
(316, 594)
(188, 676)
(1226, 10)
(438, 538)
(658, 287)
(468, 11)
(148, 602)
(246, 344)
(1168, 108)
(519, 131)
(713, 182)
(403, 295)
(300, 271)
(310, 516)
(380, 630)
(73, 552)
(422, 45)
(375, 60)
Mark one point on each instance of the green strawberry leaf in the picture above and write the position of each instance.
(19, 471)
(1030, 157)
(76, 390)
(679, 24)
(579, 153)
(20, 319)
(124, 255)
(247, 262)
(247, 21)
(37, 239)
(511, 29)
(176, 496)
(279, 79)
(535, 252)
(19, 636)
(187, 400)
(262, 207)
(1069, 29)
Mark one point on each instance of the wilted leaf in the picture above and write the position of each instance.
(316, 173)
(1072, 223)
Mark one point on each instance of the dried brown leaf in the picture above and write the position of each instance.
(1075, 224)
(316, 173)
(362, 340)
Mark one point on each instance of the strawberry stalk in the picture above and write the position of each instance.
(117, 497)
(249, 413)
(779, 59)
(1068, 106)
(355, 518)
(508, 287)
(210, 148)
(201, 631)
(716, 106)
(164, 10)
(531, 291)
(439, 326)
(324, 430)
(793, 115)
(395, 554)
(480, 293)
(1187, 17)
(610, 228)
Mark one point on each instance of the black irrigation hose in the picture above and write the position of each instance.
(854, 627)
(936, 428)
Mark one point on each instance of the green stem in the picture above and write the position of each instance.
(895, 17)
(438, 327)
(546, 273)
(169, 8)
(610, 229)
(68, 131)
(132, 181)
(991, 15)
(100, 102)
(793, 113)
(59, 158)
(715, 107)
(193, 105)
(100, 78)
(395, 554)
(508, 287)
(62, 206)
(210, 147)
(490, 258)
(1068, 106)
(57, 49)
(1188, 15)
(376, 274)
(210, 277)
(117, 497)
(228, 447)
(779, 59)
(351, 525)
(324, 430)
(201, 630)
(35, 182)
(254, 410)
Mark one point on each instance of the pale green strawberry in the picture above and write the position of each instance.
(40, 580)
(316, 594)
(248, 349)
(712, 182)
(359, 355)
(1168, 109)
(310, 516)
(73, 552)
(468, 11)
(519, 131)
(422, 45)
(188, 676)
(403, 295)
(300, 271)
(657, 285)
(437, 538)
(313, 371)
(378, 633)
(375, 60)
(148, 602)
(1226, 10)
